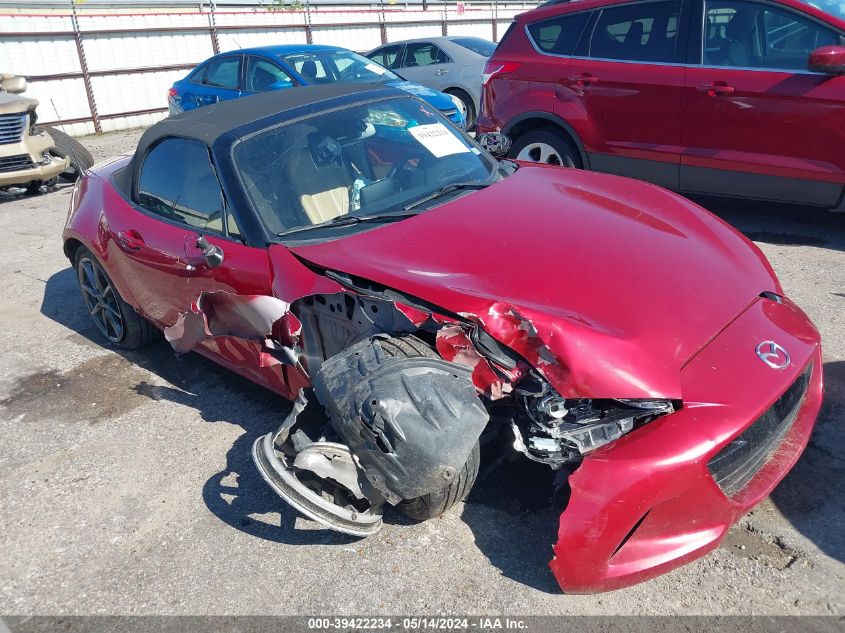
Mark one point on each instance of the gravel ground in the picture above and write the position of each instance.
(126, 485)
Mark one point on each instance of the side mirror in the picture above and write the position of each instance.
(495, 142)
(14, 84)
(281, 85)
(828, 59)
(213, 254)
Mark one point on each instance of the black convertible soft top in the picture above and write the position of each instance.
(238, 116)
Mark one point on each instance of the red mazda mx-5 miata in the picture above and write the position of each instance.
(350, 249)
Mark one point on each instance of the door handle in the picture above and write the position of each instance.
(440, 71)
(584, 79)
(717, 88)
(130, 240)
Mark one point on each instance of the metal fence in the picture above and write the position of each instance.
(104, 68)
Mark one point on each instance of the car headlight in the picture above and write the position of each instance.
(555, 430)
(460, 106)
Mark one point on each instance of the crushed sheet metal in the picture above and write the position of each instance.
(510, 328)
(270, 321)
(222, 313)
(455, 346)
(333, 461)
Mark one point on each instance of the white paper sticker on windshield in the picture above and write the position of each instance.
(438, 140)
(374, 68)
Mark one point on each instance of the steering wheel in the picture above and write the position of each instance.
(350, 72)
(402, 172)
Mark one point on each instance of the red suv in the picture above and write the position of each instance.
(728, 97)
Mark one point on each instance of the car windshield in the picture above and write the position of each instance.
(833, 7)
(328, 66)
(484, 48)
(389, 158)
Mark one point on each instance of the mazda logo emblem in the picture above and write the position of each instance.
(773, 355)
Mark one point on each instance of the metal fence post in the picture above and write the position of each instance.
(382, 23)
(309, 34)
(495, 20)
(444, 20)
(212, 25)
(83, 64)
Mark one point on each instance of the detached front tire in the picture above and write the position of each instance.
(113, 317)
(436, 503)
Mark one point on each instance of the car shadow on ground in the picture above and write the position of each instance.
(811, 496)
(17, 194)
(784, 224)
(513, 512)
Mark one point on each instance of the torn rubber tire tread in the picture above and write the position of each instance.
(411, 420)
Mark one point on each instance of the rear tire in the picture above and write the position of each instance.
(436, 503)
(68, 147)
(116, 320)
(545, 146)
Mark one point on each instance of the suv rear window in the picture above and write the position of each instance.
(560, 35)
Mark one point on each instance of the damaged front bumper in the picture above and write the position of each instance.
(650, 502)
(33, 159)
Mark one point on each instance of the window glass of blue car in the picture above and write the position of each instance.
(177, 181)
(368, 159)
(221, 72)
(836, 8)
(758, 35)
(327, 66)
(262, 74)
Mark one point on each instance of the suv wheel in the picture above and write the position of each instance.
(545, 146)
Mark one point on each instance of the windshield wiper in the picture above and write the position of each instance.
(455, 186)
(348, 220)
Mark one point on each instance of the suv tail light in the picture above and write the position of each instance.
(492, 68)
(171, 94)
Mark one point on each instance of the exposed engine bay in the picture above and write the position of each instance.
(395, 398)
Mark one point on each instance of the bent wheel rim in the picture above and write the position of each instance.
(100, 299)
(540, 153)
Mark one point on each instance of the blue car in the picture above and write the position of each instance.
(249, 71)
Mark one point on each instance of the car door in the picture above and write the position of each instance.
(621, 85)
(757, 122)
(260, 75)
(427, 64)
(178, 198)
(220, 81)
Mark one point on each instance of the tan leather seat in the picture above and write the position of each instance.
(326, 205)
(323, 191)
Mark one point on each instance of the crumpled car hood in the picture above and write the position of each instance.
(14, 104)
(622, 281)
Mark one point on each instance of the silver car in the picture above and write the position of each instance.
(450, 64)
